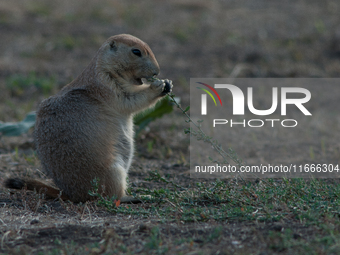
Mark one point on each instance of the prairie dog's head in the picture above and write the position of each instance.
(127, 60)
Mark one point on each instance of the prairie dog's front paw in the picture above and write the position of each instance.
(157, 84)
(168, 87)
(163, 86)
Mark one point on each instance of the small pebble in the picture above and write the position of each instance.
(35, 221)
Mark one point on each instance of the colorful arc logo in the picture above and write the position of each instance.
(204, 97)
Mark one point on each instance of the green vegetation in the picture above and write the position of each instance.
(312, 203)
(265, 200)
(144, 118)
(16, 129)
(39, 9)
(17, 84)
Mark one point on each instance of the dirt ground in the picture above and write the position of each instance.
(55, 40)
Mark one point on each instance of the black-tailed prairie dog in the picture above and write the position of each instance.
(86, 130)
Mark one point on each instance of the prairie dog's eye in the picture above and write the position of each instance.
(137, 52)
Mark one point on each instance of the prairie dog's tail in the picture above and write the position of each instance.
(32, 184)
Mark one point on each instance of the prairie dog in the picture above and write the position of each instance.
(86, 130)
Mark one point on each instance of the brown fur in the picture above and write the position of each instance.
(86, 131)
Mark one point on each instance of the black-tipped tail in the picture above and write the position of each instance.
(31, 184)
(14, 183)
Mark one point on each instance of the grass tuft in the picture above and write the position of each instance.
(18, 84)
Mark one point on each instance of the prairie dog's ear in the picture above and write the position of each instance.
(113, 45)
